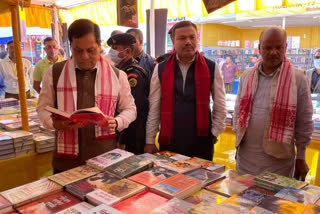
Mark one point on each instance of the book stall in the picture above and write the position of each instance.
(166, 182)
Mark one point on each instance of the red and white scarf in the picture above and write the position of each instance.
(202, 90)
(283, 114)
(106, 94)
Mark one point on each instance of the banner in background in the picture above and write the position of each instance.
(213, 5)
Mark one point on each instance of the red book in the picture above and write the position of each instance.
(50, 204)
(141, 203)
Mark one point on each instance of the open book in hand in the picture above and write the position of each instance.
(84, 116)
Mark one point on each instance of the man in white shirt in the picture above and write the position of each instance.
(9, 72)
(179, 99)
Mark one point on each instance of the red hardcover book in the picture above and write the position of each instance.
(50, 204)
(141, 203)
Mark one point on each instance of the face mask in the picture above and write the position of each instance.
(114, 56)
(317, 63)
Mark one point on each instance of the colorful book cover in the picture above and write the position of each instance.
(231, 185)
(123, 188)
(311, 209)
(84, 186)
(147, 156)
(179, 185)
(272, 204)
(103, 209)
(76, 209)
(152, 176)
(162, 160)
(237, 200)
(255, 194)
(175, 205)
(141, 203)
(31, 191)
(205, 176)
(181, 166)
(73, 175)
(50, 204)
(107, 159)
(129, 166)
(98, 197)
(213, 208)
(209, 165)
(205, 195)
(313, 190)
(5, 205)
(297, 195)
(279, 180)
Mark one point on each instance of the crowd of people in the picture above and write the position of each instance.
(142, 96)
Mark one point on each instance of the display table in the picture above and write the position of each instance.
(225, 154)
(24, 169)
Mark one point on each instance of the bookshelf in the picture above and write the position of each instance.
(301, 58)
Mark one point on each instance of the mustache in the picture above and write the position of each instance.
(188, 46)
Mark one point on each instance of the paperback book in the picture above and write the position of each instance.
(103, 209)
(152, 176)
(209, 165)
(181, 166)
(172, 155)
(76, 209)
(205, 176)
(205, 195)
(272, 204)
(84, 186)
(123, 189)
(179, 185)
(73, 175)
(109, 158)
(141, 203)
(213, 208)
(129, 166)
(5, 205)
(98, 197)
(31, 191)
(297, 195)
(275, 182)
(51, 204)
(311, 209)
(231, 185)
(174, 206)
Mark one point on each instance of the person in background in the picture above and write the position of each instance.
(9, 73)
(314, 73)
(145, 60)
(179, 98)
(115, 32)
(77, 84)
(229, 72)
(121, 53)
(162, 58)
(52, 51)
(61, 53)
(253, 61)
(273, 112)
(3, 54)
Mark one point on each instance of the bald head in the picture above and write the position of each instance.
(272, 48)
(273, 32)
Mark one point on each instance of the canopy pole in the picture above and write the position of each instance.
(284, 23)
(152, 30)
(20, 72)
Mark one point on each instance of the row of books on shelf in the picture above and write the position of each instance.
(164, 183)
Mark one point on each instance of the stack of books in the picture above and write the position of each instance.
(6, 147)
(23, 142)
(8, 102)
(47, 131)
(275, 182)
(44, 142)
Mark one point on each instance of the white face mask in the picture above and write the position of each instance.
(114, 56)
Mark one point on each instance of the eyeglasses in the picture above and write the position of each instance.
(317, 57)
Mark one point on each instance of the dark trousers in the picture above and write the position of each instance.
(16, 96)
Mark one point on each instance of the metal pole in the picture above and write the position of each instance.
(283, 23)
(20, 72)
(152, 29)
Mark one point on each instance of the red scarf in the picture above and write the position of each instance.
(202, 84)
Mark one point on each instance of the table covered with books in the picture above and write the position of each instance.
(120, 182)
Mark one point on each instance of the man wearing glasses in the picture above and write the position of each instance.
(52, 51)
(314, 73)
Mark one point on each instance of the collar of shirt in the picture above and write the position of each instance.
(138, 58)
(47, 61)
(7, 59)
(268, 75)
(185, 64)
